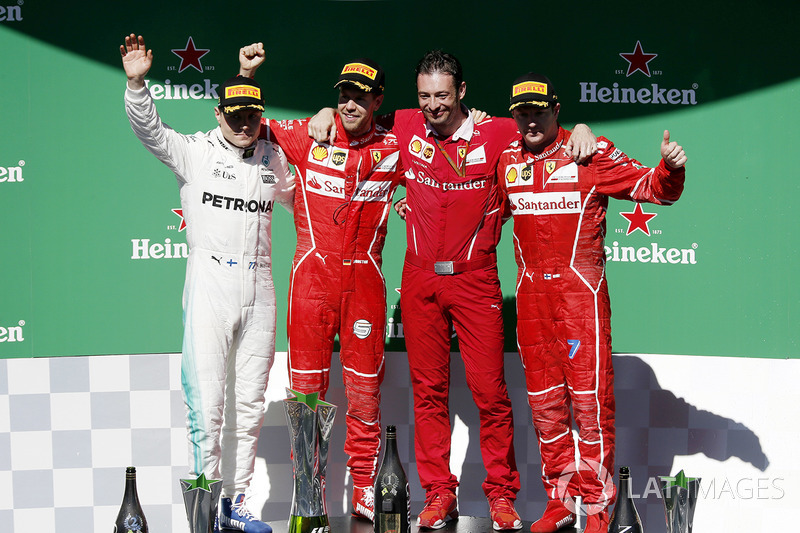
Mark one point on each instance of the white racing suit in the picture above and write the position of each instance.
(227, 197)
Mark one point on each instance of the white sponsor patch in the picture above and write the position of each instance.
(318, 183)
(566, 174)
(422, 149)
(388, 163)
(616, 154)
(362, 328)
(519, 174)
(373, 191)
(476, 156)
(329, 156)
(545, 203)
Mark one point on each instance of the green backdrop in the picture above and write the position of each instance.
(79, 196)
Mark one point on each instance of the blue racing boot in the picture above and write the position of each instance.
(234, 515)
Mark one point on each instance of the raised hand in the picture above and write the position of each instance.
(250, 58)
(136, 60)
(672, 152)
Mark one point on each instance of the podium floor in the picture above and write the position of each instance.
(464, 524)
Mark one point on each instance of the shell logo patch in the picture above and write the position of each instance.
(319, 153)
(421, 149)
(511, 175)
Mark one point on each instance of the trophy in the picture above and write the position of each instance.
(200, 496)
(310, 423)
(680, 497)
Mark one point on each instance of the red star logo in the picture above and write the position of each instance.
(638, 60)
(190, 56)
(179, 212)
(638, 219)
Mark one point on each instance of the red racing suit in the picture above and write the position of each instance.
(453, 224)
(342, 204)
(563, 309)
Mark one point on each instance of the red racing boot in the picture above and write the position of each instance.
(440, 508)
(504, 516)
(364, 502)
(555, 516)
(597, 523)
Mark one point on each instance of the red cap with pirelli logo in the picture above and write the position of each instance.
(240, 92)
(532, 89)
(363, 73)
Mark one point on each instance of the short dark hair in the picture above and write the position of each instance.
(438, 61)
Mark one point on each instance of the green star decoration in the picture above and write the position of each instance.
(311, 400)
(202, 483)
(679, 480)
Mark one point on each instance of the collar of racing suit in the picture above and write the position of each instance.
(548, 150)
(463, 132)
(242, 153)
(344, 139)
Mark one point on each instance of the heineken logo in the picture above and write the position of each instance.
(12, 174)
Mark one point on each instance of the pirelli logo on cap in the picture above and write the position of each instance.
(530, 87)
(236, 91)
(360, 68)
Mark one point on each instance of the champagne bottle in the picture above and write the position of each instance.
(625, 517)
(392, 501)
(130, 518)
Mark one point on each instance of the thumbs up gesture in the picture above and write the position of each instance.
(672, 152)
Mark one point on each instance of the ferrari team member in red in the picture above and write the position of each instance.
(453, 223)
(454, 217)
(563, 310)
(342, 204)
(450, 281)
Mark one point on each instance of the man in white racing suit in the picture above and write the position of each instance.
(229, 182)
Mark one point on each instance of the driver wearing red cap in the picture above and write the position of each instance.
(563, 310)
(342, 206)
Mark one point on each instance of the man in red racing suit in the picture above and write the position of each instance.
(563, 310)
(453, 214)
(453, 222)
(342, 203)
